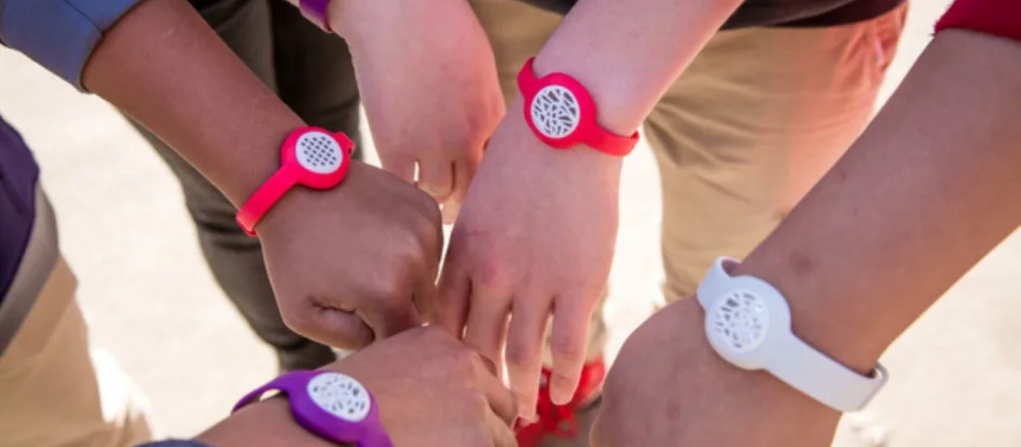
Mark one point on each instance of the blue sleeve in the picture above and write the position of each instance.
(59, 34)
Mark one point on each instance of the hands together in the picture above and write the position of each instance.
(430, 89)
(350, 265)
(450, 398)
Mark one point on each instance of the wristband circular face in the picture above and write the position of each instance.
(748, 323)
(315, 12)
(311, 157)
(334, 406)
(562, 114)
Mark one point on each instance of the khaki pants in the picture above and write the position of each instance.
(53, 390)
(756, 120)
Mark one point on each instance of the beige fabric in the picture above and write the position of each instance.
(759, 116)
(53, 392)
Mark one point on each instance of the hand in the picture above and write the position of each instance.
(536, 236)
(669, 388)
(428, 81)
(451, 398)
(348, 265)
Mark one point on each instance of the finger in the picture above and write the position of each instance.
(436, 178)
(525, 340)
(330, 326)
(570, 333)
(499, 431)
(486, 329)
(401, 167)
(390, 314)
(501, 400)
(425, 296)
(464, 172)
(450, 309)
(451, 209)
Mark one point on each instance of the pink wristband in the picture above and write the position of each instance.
(561, 113)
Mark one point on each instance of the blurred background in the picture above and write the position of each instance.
(153, 305)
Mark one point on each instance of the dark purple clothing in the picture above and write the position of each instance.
(18, 176)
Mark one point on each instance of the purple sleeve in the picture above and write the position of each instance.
(174, 444)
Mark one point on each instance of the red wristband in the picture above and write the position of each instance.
(311, 157)
(997, 17)
(561, 113)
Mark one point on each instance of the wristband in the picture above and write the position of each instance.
(331, 405)
(561, 113)
(315, 12)
(748, 323)
(311, 157)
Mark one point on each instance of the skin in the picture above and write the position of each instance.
(348, 264)
(451, 398)
(537, 231)
(924, 194)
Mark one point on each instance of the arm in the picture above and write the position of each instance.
(427, 79)
(166, 68)
(538, 228)
(924, 194)
(347, 263)
(450, 399)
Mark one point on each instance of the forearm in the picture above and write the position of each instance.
(929, 188)
(267, 424)
(163, 66)
(627, 53)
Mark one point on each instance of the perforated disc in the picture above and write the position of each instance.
(555, 111)
(340, 395)
(741, 319)
(319, 152)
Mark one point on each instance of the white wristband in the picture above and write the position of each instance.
(748, 322)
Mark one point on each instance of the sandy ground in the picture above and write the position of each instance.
(151, 302)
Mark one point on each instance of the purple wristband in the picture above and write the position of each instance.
(315, 12)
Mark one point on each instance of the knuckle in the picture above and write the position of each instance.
(297, 318)
(567, 348)
(491, 273)
(477, 402)
(519, 355)
(463, 361)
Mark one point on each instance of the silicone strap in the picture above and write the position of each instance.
(264, 198)
(315, 12)
(813, 373)
(277, 384)
(795, 362)
(588, 131)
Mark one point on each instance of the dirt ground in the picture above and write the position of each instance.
(152, 304)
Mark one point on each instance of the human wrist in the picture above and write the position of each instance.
(619, 109)
(298, 201)
(514, 135)
(267, 423)
(817, 319)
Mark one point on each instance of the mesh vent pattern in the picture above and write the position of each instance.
(340, 395)
(741, 319)
(555, 111)
(319, 153)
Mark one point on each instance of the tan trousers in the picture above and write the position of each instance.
(54, 391)
(756, 120)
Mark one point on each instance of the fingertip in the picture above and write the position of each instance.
(562, 388)
(450, 310)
